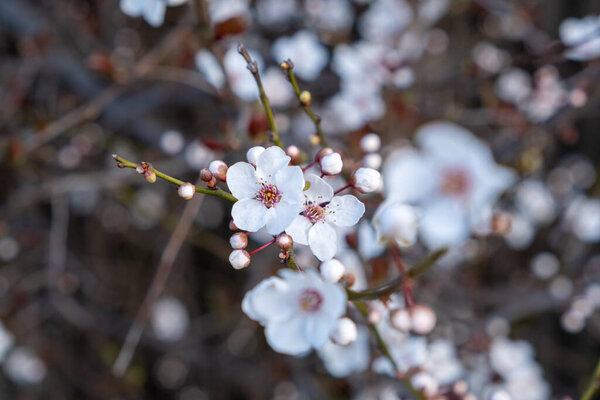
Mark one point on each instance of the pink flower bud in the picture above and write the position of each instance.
(253, 153)
(238, 241)
(239, 259)
(323, 152)
(150, 176)
(400, 319)
(370, 143)
(205, 174)
(186, 191)
(366, 180)
(212, 183)
(344, 332)
(232, 226)
(294, 153)
(332, 164)
(332, 270)
(219, 169)
(422, 318)
(284, 241)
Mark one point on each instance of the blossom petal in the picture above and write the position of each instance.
(288, 337)
(317, 329)
(408, 177)
(444, 223)
(248, 306)
(249, 214)
(298, 229)
(319, 190)
(241, 180)
(133, 8)
(290, 181)
(154, 12)
(322, 239)
(271, 302)
(278, 218)
(344, 210)
(270, 161)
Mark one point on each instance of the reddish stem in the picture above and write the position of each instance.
(264, 246)
(343, 188)
(309, 166)
(407, 292)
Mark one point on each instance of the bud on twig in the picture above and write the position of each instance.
(206, 175)
(186, 191)
(305, 98)
(219, 169)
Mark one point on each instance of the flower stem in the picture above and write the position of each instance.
(123, 163)
(316, 119)
(264, 246)
(593, 386)
(291, 261)
(309, 166)
(253, 68)
(343, 188)
(407, 292)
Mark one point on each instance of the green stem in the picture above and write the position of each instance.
(291, 261)
(428, 263)
(218, 192)
(594, 384)
(253, 68)
(316, 119)
(362, 307)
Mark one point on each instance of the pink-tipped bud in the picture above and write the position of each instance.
(322, 153)
(219, 169)
(284, 241)
(332, 164)
(294, 153)
(332, 270)
(205, 174)
(186, 191)
(400, 319)
(374, 316)
(366, 180)
(238, 241)
(239, 259)
(253, 153)
(212, 183)
(344, 332)
(150, 176)
(422, 319)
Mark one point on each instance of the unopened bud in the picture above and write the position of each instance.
(501, 223)
(374, 316)
(232, 226)
(370, 143)
(212, 183)
(253, 153)
(366, 180)
(238, 241)
(305, 98)
(205, 174)
(315, 140)
(186, 191)
(332, 164)
(332, 270)
(294, 153)
(284, 241)
(150, 176)
(284, 65)
(396, 221)
(348, 280)
(283, 256)
(323, 152)
(219, 169)
(372, 160)
(239, 259)
(422, 318)
(139, 169)
(400, 319)
(344, 332)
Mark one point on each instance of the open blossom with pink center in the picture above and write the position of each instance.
(299, 310)
(270, 194)
(321, 212)
(453, 179)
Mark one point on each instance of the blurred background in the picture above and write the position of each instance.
(81, 240)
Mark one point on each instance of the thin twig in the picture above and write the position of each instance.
(164, 269)
(253, 68)
(593, 386)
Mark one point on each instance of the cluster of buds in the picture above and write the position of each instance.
(370, 145)
(145, 169)
(418, 318)
(217, 170)
(240, 258)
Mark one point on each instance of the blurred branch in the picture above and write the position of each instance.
(594, 384)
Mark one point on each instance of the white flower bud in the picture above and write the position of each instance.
(238, 240)
(372, 160)
(239, 259)
(219, 169)
(396, 221)
(253, 153)
(366, 180)
(284, 241)
(400, 319)
(332, 270)
(332, 164)
(423, 319)
(425, 383)
(370, 142)
(186, 191)
(344, 332)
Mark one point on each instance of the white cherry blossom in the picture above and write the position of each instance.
(153, 11)
(270, 194)
(396, 221)
(341, 361)
(321, 212)
(582, 36)
(298, 309)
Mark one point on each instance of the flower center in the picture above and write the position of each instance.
(311, 300)
(455, 182)
(268, 194)
(314, 212)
